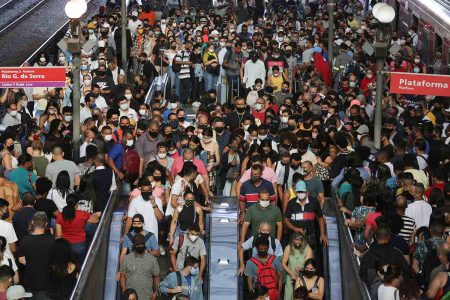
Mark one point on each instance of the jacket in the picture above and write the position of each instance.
(194, 291)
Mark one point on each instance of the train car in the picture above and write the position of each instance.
(432, 19)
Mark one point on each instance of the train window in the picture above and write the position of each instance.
(437, 43)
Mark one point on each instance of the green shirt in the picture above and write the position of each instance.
(256, 215)
(24, 179)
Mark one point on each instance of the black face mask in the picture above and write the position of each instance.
(10, 148)
(153, 134)
(115, 123)
(262, 253)
(291, 127)
(181, 119)
(101, 73)
(295, 167)
(146, 195)
(157, 178)
(240, 109)
(138, 229)
(254, 178)
(220, 129)
(5, 215)
(124, 127)
(308, 273)
(139, 249)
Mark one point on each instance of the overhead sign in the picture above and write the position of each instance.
(420, 84)
(22, 77)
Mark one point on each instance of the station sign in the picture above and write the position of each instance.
(29, 77)
(420, 84)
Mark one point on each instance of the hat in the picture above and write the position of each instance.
(355, 102)
(215, 32)
(300, 186)
(138, 239)
(134, 13)
(203, 20)
(338, 42)
(363, 129)
(347, 30)
(91, 25)
(361, 98)
(101, 43)
(348, 43)
(17, 292)
(317, 50)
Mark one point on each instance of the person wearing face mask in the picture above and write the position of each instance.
(211, 147)
(188, 244)
(277, 59)
(294, 258)
(12, 116)
(313, 184)
(104, 82)
(308, 278)
(125, 110)
(67, 124)
(151, 244)
(301, 213)
(138, 41)
(258, 273)
(212, 67)
(186, 281)
(137, 267)
(161, 157)
(254, 68)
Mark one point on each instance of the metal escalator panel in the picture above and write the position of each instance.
(111, 286)
(223, 260)
(333, 274)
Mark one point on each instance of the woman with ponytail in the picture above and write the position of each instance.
(70, 226)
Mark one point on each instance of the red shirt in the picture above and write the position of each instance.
(370, 220)
(261, 115)
(365, 82)
(73, 231)
(434, 186)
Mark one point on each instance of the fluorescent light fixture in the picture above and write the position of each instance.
(224, 261)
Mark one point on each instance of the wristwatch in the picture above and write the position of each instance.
(155, 206)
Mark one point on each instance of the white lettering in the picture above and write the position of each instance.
(409, 84)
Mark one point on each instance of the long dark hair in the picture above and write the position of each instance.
(63, 183)
(68, 212)
(60, 257)
(152, 167)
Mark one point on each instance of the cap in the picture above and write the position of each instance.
(134, 13)
(91, 25)
(300, 186)
(138, 239)
(215, 32)
(317, 50)
(338, 42)
(348, 43)
(17, 292)
(203, 20)
(355, 102)
(363, 129)
(341, 141)
(101, 43)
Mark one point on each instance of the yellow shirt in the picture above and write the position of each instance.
(276, 82)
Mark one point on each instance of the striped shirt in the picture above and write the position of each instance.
(408, 227)
(250, 192)
(185, 71)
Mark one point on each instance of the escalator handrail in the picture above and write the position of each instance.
(348, 244)
(326, 271)
(103, 227)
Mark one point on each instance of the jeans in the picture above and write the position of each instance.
(90, 229)
(79, 251)
(177, 84)
(210, 81)
(172, 76)
(185, 90)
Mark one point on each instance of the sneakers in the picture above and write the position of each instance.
(162, 250)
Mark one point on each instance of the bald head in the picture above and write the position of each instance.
(401, 203)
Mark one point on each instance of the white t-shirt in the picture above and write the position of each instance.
(388, 293)
(8, 260)
(7, 231)
(420, 211)
(130, 113)
(178, 188)
(59, 200)
(422, 161)
(139, 206)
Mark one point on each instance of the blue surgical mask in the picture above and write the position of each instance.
(195, 271)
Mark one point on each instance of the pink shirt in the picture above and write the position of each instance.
(179, 162)
(370, 220)
(268, 174)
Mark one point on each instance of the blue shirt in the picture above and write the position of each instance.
(24, 180)
(150, 244)
(116, 154)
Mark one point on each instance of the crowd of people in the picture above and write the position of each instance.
(275, 124)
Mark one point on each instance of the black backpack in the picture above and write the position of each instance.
(431, 261)
(147, 236)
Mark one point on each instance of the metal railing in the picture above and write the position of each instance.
(92, 279)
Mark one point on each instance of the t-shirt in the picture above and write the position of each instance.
(303, 216)
(24, 179)
(256, 215)
(250, 192)
(150, 244)
(36, 250)
(7, 231)
(314, 186)
(188, 248)
(251, 270)
(73, 230)
(388, 293)
(57, 198)
(55, 167)
(140, 206)
(21, 221)
(248, 244)
(47, 206)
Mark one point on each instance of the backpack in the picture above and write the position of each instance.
(147, 236)
(130, 163)
(266, 273)
(170, 296)
(430, 262)
(176, 68)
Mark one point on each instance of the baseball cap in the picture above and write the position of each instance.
(355, 102)
(101, 43)
(215, 32)
(17, 292)
(134, 13)
(91, 25)
(363, 129)
(300, 186)
(202, 20)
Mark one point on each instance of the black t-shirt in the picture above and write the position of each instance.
(304, 217)
(36, 250)
(21, 220)
(47, 206)
(106, 83)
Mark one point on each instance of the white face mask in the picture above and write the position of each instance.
(172, 105)
(258, 106)
(253, 138)
(124, 106)
(128, 96)
(193, 238)
(416, 60)
(13, 113)
(301, 196)
(162, 155)
(284, 120)
(130, 143)
(142, 112)
(246, 127)
(68, 118)
(42, 59)
(108, 137)
(87, 82)
(172, 152)
(262, 137)
(264, 203)
(200, 136)
(222, 44)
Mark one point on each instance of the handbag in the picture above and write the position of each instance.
(213, 70)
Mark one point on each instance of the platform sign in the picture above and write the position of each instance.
(23, 77)
(420, 84)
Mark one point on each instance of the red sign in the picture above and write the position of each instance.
(420, 84)
(18, 77)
